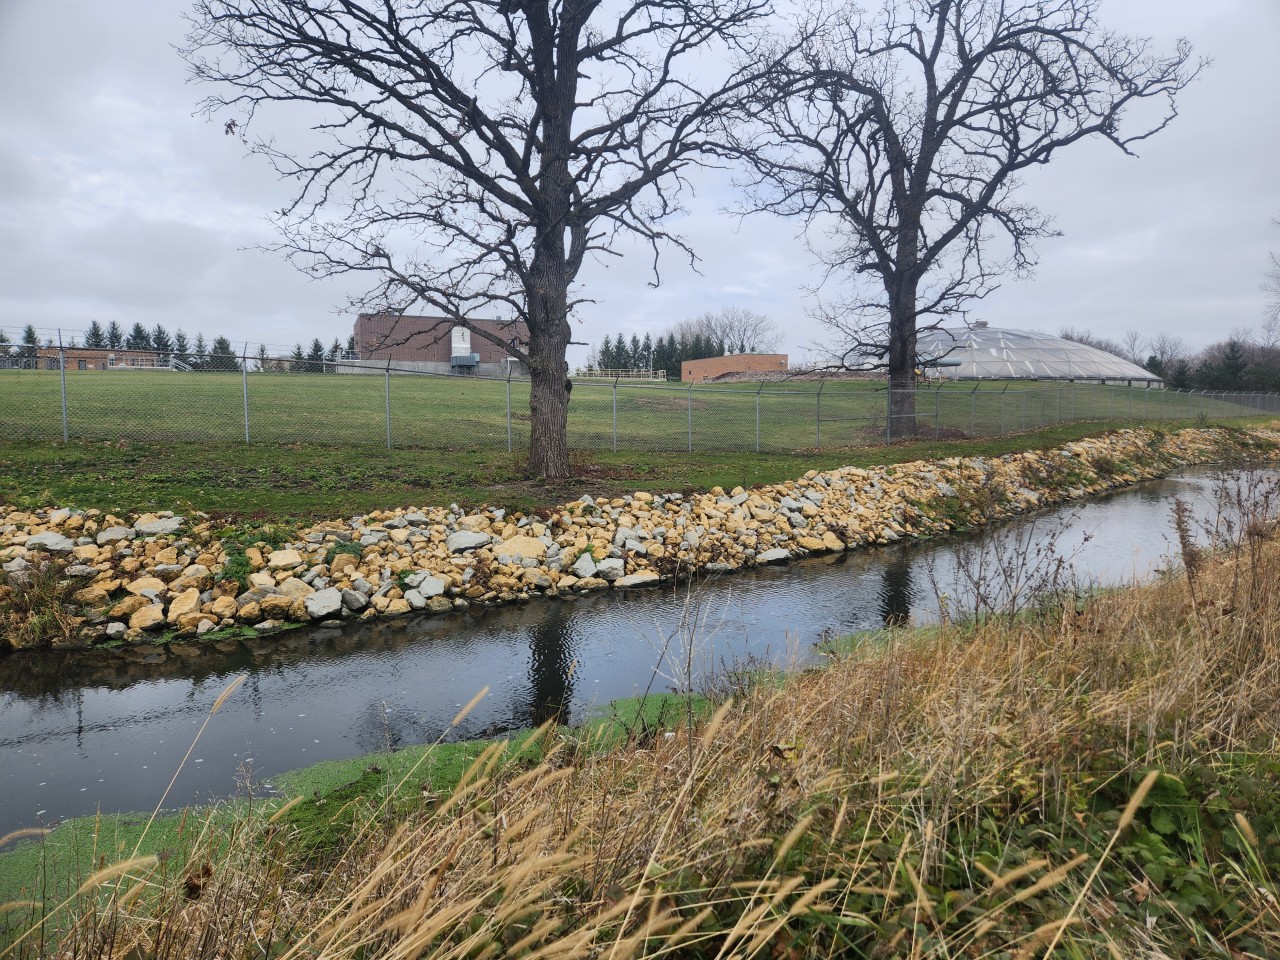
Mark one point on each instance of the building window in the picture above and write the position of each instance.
(82, 365)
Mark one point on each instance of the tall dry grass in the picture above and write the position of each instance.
(1036, 787)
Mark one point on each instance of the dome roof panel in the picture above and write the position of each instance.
(988, 353)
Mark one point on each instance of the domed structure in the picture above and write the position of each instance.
(986, 353)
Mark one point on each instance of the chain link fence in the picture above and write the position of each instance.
(242, 399)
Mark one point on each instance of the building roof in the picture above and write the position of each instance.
(988, 353)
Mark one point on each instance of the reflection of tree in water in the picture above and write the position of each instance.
(551, 639)
(895, 588)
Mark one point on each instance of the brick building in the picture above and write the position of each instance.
(696, 371)
(437, 344)
(96, 358)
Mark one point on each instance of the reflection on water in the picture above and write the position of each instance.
(107, 730)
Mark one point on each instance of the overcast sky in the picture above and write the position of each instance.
(117, 203)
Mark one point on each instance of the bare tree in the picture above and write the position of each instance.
(1131, 347)
(1271, 287)
(738, 328)
(469, 154)
(900, 135)
(1167, 350)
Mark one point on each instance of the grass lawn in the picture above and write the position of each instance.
(311, 482)
(462, 413)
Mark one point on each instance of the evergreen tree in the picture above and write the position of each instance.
(200, 353)
(635, 359)
(605, 354)
(95, 336)
(646, 353)
(315, 356)
(162, 342)
(298, 358)
(181, 348)
(5, 351)
(30, 342)
(222, 357)
(351, 348)
(115, 336)
(334, 354)
(139, 338)
(661, 355)
(264, 361)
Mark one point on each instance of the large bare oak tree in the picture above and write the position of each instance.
(900, 135)
(469, 154)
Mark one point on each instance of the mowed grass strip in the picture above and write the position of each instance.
(309, 482)
(471, 413)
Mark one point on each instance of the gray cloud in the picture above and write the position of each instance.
(116, 203)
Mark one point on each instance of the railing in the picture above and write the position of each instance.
(593, 373)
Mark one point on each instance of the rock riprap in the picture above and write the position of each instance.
(137, 577)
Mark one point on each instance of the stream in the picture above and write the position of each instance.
(105, 731)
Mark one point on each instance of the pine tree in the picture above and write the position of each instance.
(351, 348)
(335, 352)
(315, 356)
(264, 361)
(635, 359)
(200, 353)
(298, 358)
(95, 336)
(181, 348)
(30, 342)
(646, 353)
(139, 338)
(605, 353)
(115, 336)
(162, 342)
(222, 357)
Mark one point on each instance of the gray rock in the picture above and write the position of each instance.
(315, 538)
(323, 603)
(256, 595)
(354, 600)
(81, 570)
(718, 567)
(740, 499)
(426, 584)
(622, 535)
(159, 528)
(205, 626)
(116, 629)
(776, 555)
(584, 566)
(610, 569)
(362, 585)
(396, 523)
(415, 599)
(16, 565)
(790, 503)
(464, 540)
(372, 537)
(267, 626)
(635, 546)
(814, 497)
(58, 517)
(167, 571)
(53, 542)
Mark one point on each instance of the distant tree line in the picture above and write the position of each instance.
(1247, 361)
(729, 330)
(199, 354)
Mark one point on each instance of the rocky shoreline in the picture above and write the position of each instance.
(147, 578)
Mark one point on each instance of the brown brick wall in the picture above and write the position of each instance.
(93, 358)
(696, 371)
(383, 336)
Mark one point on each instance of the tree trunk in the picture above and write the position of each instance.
(902, 361)
(549, 335)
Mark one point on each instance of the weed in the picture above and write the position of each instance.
(36, 610)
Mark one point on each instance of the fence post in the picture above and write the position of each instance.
(758, 416)
(615, 414)
(818, 415)
(937, 409)
(1003, 394)
(508, 408)
(388, 376)
(244, 376)
(973, 411)
(62, 368)
(691, 416)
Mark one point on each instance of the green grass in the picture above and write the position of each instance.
(471, 413)
(261, 483)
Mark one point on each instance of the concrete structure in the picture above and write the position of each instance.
(438, 345)
(696, 371)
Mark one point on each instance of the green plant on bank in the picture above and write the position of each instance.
(36, 609)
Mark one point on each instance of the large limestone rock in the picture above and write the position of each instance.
(150, 617)
(521, 548)
(52, 541)
(143, 584)
(293, 587)
(184, 603)
(323, 604)
(150, 526)
(584, 566)
(464, 540)
(284, 559)
(645, 578)
(114, 535)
